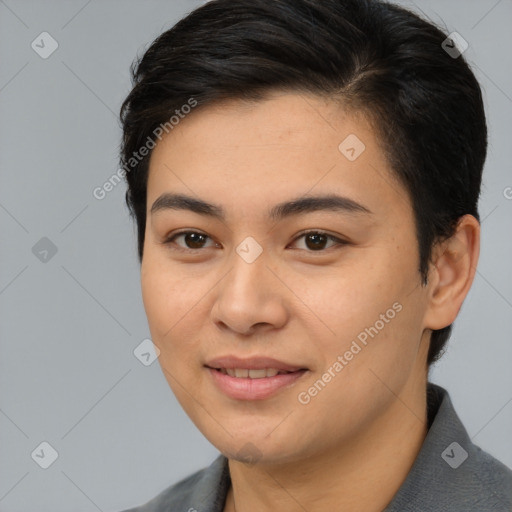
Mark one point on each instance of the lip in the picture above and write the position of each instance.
(252, 363)
(240, 388)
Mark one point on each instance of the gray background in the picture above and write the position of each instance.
(68, 375)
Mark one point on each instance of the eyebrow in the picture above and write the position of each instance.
(301, 205)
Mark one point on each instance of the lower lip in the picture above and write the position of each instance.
(241, 388)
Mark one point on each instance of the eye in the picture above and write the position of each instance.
(193, 240)
(315, 240)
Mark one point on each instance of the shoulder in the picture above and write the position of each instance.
(481, 482)
(203, 491)
(451, 472)
(490, 479)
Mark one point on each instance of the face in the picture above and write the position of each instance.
(295, 251)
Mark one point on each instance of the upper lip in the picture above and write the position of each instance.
(252, 363)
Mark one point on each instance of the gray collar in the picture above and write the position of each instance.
(449, 474)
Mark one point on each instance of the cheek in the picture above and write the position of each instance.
(166, 295)
(367, 313)
(157, 297)
(174, 310)
(162, 304)
(169, 309)
(348, 300)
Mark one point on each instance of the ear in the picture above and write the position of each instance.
(452, 272)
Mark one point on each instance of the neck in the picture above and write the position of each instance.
(364, 474)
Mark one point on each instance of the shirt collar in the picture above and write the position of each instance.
(444, 475)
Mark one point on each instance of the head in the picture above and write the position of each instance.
(255, 109)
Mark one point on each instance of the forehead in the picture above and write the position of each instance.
(252, 154)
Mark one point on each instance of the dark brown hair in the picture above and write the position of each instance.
(378, 58)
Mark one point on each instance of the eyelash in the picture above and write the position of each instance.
(332, 238)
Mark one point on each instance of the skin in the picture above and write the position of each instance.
(351, 447)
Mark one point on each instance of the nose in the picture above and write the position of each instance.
(250, 298)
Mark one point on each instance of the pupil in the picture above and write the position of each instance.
(315, 238)
(190, 242)
(318, 241)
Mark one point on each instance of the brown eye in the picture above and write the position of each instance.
(193, 240)
(315, 241)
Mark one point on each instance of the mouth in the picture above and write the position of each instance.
(242, 366)
(253, 379)
(250, 373)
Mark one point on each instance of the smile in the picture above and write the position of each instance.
(251, 373)
(253, 384)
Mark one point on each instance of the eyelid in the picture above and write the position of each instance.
(338, 241)
(170, 240)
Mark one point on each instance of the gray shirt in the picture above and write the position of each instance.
(450, 473)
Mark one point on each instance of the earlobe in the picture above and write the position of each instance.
(452, 273)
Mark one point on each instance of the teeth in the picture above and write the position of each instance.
(257, 374)
(251, 374)
(269, 372)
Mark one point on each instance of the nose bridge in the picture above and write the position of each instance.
(249, 262)
(246, 296)
(249, 250)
